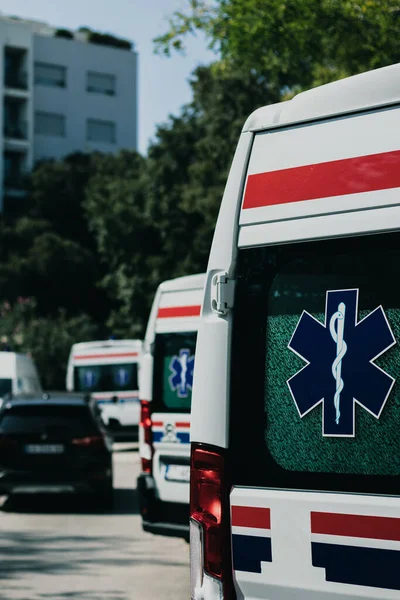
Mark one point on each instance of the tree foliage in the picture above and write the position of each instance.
(294, 43)
(47, 340)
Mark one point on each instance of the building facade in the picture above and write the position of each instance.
(60, 96)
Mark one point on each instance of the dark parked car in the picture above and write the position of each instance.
(55, 444)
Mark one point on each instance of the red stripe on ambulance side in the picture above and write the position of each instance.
(251, 516)
(115, 355)
(178, 311)
(336, 178)
(177, 424)
(361, 526)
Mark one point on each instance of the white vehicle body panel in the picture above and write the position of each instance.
(21, 369)
(176, 308)
(110, 352)
(344, 125)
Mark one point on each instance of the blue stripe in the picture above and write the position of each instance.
(120, 401)
(372, 567)
(157, 435)
(249, 551)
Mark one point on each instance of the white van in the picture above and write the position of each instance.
(108, 370)
(295, 458)
(165, 384)
(18, 375)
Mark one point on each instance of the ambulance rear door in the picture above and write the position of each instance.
(314, 384)
(174, 355)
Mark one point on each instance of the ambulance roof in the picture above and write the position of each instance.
(183, 283)
(106, 344)
(360, 92)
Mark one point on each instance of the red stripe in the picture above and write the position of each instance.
(251, 516)
(177, 424)
(335, 178)
(178, 311)
(379, 528)
(115, 355)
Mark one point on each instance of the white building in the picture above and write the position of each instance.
(59, 96)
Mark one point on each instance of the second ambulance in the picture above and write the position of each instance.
(166, 378)
(295, 458)
(108, 370)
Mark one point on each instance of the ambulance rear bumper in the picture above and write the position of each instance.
(161, 518)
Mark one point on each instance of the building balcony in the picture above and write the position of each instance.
(17, 80)
(14, 181)
(17, 130)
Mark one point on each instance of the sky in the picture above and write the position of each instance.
(163, 82)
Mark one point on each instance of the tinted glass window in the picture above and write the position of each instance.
(69, 419)
(50, 124)
(173, 371)
(324, 429)
(101, 131)
(106, 378)
(5, 387)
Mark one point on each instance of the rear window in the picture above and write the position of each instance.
(106, 378)
(318, 429)
(76, 420)
(173, 371)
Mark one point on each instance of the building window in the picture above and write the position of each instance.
(100, 83)
(15, 75)
(101, 131)
(49, 124)
(13, 170)
(51, 75)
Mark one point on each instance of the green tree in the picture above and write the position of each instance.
(127, 241)
(297, 43)
(47, 339)
(189, 161)
(56, 193)
(48, 252)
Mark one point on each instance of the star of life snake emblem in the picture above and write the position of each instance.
(181, 379)
(340, 370)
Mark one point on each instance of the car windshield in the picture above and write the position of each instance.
(74, 420)
(173, 371)
(106, 378)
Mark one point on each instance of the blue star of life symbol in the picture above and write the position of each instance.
(340, 372)
(122, 376)
(181, 367)
(89, 378)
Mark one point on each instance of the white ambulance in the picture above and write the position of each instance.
(165, 383)
(108, 370)
(295, 455)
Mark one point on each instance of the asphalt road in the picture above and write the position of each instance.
(54, 548)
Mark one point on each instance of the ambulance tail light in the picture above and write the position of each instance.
(145, 437)
(210, 561)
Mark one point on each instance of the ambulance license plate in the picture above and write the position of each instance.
(44, 448)
(177, 473)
